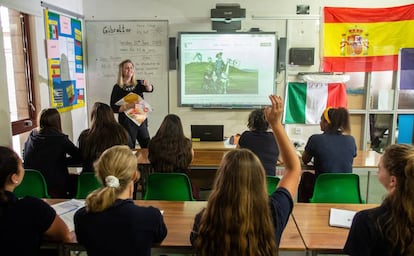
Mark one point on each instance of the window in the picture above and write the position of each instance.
(15, 27)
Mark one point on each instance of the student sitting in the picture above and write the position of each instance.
(333, 151)
(110, 223)
(389, 228)
(50, 151)
(169, 150)
(26, 222)
(104, 133)
(261, 141)
(240, 218)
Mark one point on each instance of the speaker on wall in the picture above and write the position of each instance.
(301, 56)
(172, 60)
(281, 54)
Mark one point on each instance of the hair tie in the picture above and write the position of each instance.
(112, 181)
(326, 115)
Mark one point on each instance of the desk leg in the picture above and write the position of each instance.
(368, 182)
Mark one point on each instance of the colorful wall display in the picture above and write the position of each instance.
(65, 61)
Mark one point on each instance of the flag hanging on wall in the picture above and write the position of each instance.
(366, 39)
(305, 102)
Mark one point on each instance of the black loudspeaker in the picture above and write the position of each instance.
(172, 60)
(301, 56)
(281, 54)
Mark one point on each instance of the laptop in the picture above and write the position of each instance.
(341, 218)
(207, 132)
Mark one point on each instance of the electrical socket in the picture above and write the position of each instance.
(298, 130)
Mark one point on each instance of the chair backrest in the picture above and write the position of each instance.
(272, 182)
(337, 188)
(33, 184)
(169, 187)
(87, 182)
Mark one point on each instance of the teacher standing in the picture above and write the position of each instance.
(126, 84)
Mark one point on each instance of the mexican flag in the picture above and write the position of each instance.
(305, 102)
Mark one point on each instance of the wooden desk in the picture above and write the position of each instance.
(179, 218)
(209, 154)
(312, 221)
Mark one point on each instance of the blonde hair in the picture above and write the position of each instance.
(118, 161)
(120, 80)
(237, 219)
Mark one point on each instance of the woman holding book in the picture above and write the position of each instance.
(126, 84)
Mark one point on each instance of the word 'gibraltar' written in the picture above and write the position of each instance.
(112, 30)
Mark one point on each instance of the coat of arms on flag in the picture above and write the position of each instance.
(366, 39)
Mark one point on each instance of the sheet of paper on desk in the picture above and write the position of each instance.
(67, 209)
(341, 218)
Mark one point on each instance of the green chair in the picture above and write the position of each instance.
(337, 188)
(87, 182)
(169, 187)
(33, 184)
(272, 182)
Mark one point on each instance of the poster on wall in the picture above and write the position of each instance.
(65, 61)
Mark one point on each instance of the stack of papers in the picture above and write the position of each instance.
(341, 218)
(66, 210)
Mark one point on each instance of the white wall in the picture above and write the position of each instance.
(268, 15)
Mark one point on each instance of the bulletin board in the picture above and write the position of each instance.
(145, 42)
(65, 61)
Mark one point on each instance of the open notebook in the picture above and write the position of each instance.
(66, 210)
(341, 218)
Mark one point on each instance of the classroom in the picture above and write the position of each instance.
(381, 108)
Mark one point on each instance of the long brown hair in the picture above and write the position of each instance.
(104, 133)
(237, 219)
(398, 160)
(169, 150)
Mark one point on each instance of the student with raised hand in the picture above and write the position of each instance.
(240, 218)
(261, 141)
(104, 133)
(389, 228)
(50, 151)
(25, 222)
(110, 223)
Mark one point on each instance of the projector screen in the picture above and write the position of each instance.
(226, 70)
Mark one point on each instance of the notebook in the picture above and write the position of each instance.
(207, 132)
(341, 218)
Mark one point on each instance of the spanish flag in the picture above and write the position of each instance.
(366, 39)
(305, 102)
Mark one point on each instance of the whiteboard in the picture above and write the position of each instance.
(108, 43)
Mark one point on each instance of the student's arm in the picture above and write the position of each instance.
(290, 180)
(306, 158)
(58, 231)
